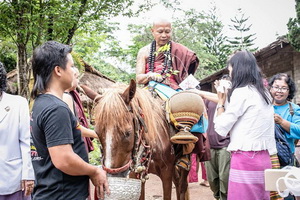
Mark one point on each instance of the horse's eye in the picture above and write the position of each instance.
(127, 134)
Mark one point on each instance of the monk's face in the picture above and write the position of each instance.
(161, 32)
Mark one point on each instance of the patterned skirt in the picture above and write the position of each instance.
(246, 176)
(275, 165)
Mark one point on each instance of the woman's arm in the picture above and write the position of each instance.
(207, 95)
(85, 132)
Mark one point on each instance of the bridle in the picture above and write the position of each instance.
(141, 152)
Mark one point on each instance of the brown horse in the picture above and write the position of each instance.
(135, 138)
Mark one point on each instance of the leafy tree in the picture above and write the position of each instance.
(8, 54)
(98, 48)
(243, 41)
(294, 28)
(31, 22)
(215, 41)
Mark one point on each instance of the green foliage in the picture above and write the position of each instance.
(215, 41)
(294, 28)
(242, 41)
(8, 54)
(141, 37)
(114, 72)
(30, 23)
(96, 47)
(95, 156)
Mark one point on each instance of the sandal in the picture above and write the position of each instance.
(204, 183)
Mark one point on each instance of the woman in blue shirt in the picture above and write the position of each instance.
(283, 89)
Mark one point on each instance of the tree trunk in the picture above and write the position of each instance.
(72, 30)
(23, 72)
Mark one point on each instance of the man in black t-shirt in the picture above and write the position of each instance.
(59, 158)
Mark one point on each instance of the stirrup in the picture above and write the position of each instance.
(184, 163)
(183, 137)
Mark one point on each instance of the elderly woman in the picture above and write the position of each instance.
(16, 174)
(283, 89)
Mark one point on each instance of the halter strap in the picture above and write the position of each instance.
(117, 170)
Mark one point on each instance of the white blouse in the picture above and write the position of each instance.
(250, 121)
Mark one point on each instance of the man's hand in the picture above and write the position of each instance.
(27, 185)
(154, 76)
(99, 180)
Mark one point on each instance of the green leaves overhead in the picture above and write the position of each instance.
(294, 28)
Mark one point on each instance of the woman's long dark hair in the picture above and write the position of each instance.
(245, 71)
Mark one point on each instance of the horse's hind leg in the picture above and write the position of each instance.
(176, 179)
(181, 183)
(184, 184)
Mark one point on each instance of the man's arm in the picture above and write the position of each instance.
(141, 76)
(72, 164)
(64, 159)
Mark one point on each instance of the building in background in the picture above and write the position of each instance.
(277, 57)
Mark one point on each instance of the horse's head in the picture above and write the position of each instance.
(129, 123)
(116, 126)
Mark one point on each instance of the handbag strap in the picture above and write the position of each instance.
(291, 109)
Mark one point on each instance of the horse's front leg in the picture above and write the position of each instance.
(142, 197)
(166, 178)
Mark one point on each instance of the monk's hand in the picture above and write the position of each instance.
(155, 76)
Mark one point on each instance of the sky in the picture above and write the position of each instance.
(268, 17)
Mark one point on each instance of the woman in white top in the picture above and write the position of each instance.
(249, 117)
(16, 171)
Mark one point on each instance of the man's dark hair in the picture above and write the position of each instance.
(3, 80)
(245, 71)
(289, 81)
(45, 58)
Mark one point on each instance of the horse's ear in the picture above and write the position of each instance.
(129, 92)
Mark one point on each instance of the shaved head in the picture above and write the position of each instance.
(158, 21)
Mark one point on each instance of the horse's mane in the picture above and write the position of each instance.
(112, 110)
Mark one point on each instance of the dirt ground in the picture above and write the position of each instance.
(196, 191)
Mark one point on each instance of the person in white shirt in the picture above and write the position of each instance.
(246, 112)
(16, 174)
